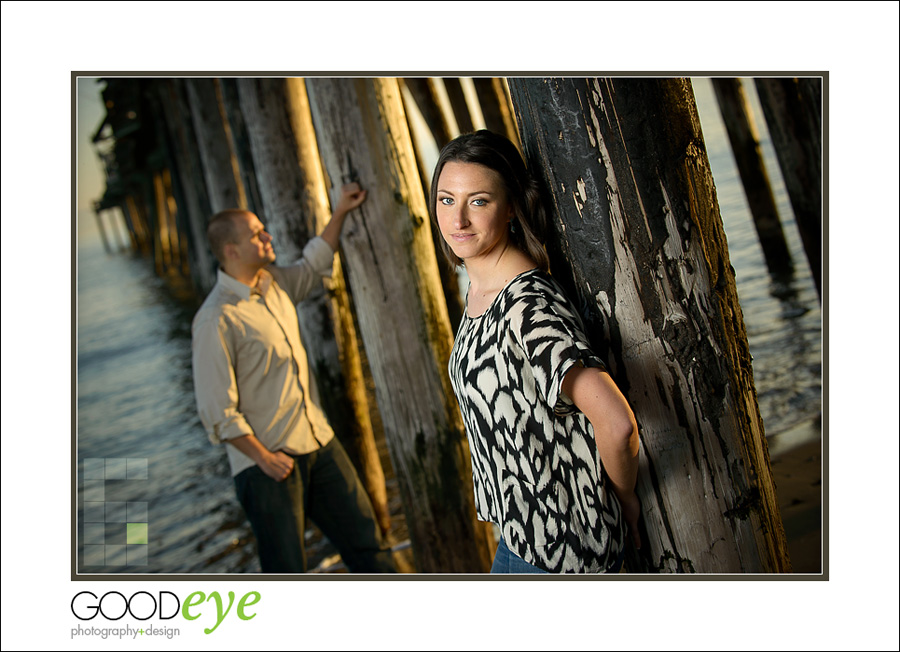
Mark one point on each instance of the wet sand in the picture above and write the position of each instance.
(796, 460)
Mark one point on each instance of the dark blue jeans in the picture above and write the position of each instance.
(506, 561)
(324, 485)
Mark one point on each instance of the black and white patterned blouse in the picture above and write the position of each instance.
(535, 465)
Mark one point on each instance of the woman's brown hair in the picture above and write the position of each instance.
(499, 154)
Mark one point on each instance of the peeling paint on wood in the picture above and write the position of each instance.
(641, 244)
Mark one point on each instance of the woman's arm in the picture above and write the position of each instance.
(615, 429)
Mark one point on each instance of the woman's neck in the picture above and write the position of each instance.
(489, 276)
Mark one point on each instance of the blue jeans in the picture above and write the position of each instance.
(506, 561)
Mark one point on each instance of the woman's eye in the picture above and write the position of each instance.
(479, 202)
(446, 201)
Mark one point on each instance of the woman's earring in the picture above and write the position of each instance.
(512, 226)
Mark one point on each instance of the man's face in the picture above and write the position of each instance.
(253, 247)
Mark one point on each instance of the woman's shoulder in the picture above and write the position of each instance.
(535, 287)
(539, 298)
(535, 299)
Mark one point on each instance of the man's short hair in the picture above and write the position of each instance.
(221, 231)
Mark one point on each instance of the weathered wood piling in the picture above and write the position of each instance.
(640, 243)
(363, 136)
(793, 110)
(744, 138)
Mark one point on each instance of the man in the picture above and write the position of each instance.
(254, 391)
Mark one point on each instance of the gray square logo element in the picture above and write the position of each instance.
(137, 512)
(94, 468)
(116, 468)
(137, 468)
(115, 512)
(94, 533)
(94, 512)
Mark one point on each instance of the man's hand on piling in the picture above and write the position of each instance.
(351, 197)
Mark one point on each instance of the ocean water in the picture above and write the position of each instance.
(783, 319)
(136, 403)
(156, 497)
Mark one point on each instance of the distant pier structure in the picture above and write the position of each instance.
(142, 183)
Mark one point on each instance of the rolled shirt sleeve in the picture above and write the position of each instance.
(215, 385)
(299, 279)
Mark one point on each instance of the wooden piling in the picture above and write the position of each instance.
(495, 107)
(639, 241)
(362, 133)
(292, 189)
(744, 138)
(793, 110)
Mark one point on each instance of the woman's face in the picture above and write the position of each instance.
(473, 211)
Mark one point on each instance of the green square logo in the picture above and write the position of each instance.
(136, 533)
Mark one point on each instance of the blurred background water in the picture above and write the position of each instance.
(135, 397)
(783, 320)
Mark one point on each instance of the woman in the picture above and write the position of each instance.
(554, 444)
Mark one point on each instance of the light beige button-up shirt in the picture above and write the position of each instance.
(251, 374)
